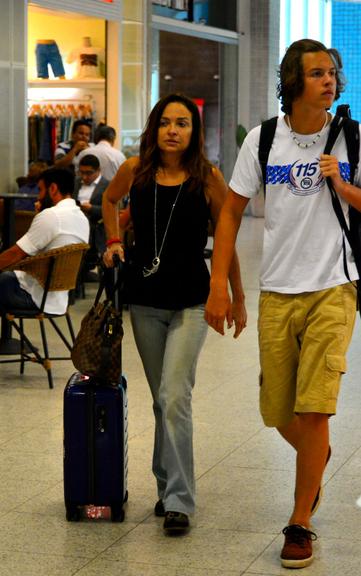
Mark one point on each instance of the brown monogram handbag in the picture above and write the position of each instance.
(97, 347)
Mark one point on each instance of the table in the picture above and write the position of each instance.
(9, 345)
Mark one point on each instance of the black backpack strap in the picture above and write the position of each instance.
(343, 110)
(352, 141)
(335, 128)
(268, 129)
(352, 137)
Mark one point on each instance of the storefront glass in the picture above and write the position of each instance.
(213, 87)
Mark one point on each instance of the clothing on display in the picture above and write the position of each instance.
(88, 58)
(50, 124)
(47, 53)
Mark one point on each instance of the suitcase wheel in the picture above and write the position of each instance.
(117, 513)
(72, 513)
(126, 496)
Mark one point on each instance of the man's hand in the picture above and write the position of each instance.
(239, 313)
(86, 207)
(329, 167)
(219, 309)
(79, 146)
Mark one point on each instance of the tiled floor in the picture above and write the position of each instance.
(244, 471)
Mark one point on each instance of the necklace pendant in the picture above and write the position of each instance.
(149, 271)
(156, 260)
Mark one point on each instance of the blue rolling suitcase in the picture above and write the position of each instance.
(95, 446)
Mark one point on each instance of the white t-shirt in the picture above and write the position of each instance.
(54, 227)
(109, 158)
(88, 59)
(302, 245)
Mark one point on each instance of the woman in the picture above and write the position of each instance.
(174, 191)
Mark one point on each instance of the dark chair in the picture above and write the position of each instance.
(55, 270)
(23, 219)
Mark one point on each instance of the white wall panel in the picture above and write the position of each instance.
(5, 127)
(5, 30)
(13, 133)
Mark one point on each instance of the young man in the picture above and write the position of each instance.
(66, 154)
(59, 225)
(307, 305)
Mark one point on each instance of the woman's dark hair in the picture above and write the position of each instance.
(193, 159)
(290, 73)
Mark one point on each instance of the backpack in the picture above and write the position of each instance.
(268, 129)
(342, 120)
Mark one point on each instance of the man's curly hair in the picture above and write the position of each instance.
(291, 79)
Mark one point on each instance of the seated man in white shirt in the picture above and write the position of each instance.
(59, 225)
(109, 157)
(88, 192)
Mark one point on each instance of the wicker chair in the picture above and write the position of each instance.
(55, 270)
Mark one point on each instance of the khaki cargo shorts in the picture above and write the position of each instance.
(303, 340)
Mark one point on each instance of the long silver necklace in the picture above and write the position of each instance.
(305, 145)
(156, 260)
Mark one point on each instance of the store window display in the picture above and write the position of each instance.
(89, 59)
(48, 54)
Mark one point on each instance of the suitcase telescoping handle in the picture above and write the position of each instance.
(118, 279)
(112, 280)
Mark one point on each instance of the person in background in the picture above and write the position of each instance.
(173, 191)
(307, 304)
(61, 224)
(88, 192)
(29, 185)
(66, 153)
(109, 157)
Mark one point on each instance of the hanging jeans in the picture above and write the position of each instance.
(49, 54)
(169, 343)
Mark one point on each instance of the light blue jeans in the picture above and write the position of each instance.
(169, 343)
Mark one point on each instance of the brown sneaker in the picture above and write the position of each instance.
(317, 500)
(297, 549)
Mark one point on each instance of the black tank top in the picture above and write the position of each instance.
(182, 279)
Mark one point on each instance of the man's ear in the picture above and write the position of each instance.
(53, 191)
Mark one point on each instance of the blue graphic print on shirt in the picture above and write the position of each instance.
(302, 179)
